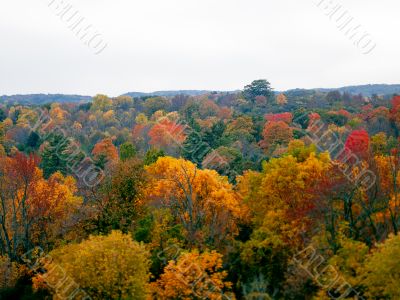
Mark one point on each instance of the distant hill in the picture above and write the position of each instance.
(38, 99)
(169, 93)
(368, 89)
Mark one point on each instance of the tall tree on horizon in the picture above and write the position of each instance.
(259, 87)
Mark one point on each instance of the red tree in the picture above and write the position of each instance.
(358, 143)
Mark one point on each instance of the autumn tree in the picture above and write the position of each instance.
(106, 267)
(202, 201)
(381, 271)
(105, 152)
(193, 276)
(281, 99)
(101, 102)
(276, 134)
(18, 174)
(358, 143)
(34, 211)
(284, 117)
(240, 128)
(167, 135)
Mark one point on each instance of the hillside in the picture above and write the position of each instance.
(39, 99)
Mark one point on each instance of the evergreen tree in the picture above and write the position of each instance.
(55, 155)
(33, 141)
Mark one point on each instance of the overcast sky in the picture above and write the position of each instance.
(194, 44)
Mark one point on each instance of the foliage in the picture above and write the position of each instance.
(106, 267)
(152, 156)
(55, 155)
(202, 201)
(258, 88)
(122, 199)
(127, 151)
(192, 276)
(382, 267)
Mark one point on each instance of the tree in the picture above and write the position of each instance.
(3, 115)
(281, 99)
(379, 143)
(127, 151)
(105, 152)
(33, 210)
(106, 267)
(16, 177)
(123, 102)
(152, 155)
(240, 128)
(193, 276)
(203, 202)
(122, 199)
(33, 141)
(167, 135)
(358, 143)
(226, 161)
(276, 134)
(382, 270)
(151, 105)
(285, 187)
(55, 155)
(333, 97)
(101, 102)
(284, 117)
(257, 88)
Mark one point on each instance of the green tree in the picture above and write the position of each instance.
(259, 87)
(127, 151)
(152, 155)
(55, 155)
(3, 115)
(121, 201)
(33, 141)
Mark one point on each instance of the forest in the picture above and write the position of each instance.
(251, 194)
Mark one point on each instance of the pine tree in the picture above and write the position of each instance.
(55, 155)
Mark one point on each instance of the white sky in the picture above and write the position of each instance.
(193, 44)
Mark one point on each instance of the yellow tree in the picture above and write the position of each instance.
(52, 203)
(285, 184)
(382, 270)
(281, 99)
(281, 202)
(105, 267)
(201, 200)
